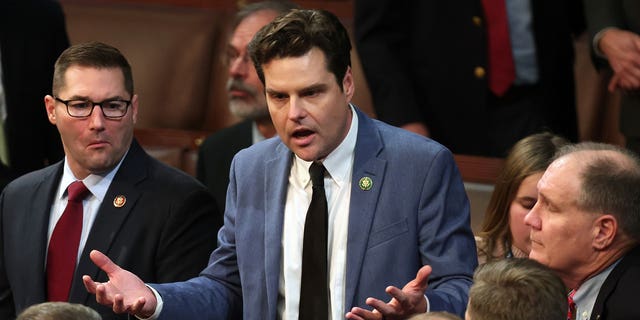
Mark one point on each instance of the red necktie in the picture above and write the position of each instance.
(501, 67)
(314, 291)
(63, 246)
(571, 313)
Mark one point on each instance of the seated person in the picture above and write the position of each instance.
(503, 233)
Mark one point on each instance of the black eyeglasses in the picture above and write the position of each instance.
(111, 109)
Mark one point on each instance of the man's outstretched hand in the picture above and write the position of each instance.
(124, 292)
(404, 303)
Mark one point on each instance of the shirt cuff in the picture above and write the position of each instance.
(428, 304)
(596, 42)
(159, 305)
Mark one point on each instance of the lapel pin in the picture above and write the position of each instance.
(365, 183)
(119, 201)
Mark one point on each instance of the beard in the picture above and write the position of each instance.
(252, 106)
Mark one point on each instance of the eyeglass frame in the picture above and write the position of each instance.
(93, 104)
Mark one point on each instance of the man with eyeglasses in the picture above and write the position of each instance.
(149, 217)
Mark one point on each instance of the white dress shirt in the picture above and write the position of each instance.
(337, 184)
(97, 185)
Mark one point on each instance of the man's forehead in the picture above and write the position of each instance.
(562, 174)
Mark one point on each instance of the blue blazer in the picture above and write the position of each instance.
(416, 213)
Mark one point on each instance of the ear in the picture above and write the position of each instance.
(605, 229)
(50, 106)
(348, 87)
(134, 108)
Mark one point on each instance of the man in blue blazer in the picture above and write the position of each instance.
(396, 203)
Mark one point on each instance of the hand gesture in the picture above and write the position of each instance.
(622, 49)
(124, 292)
(404, 303)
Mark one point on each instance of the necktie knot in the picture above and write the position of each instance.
(77, 191)
(316, 171)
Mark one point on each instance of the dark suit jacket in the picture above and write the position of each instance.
(419, 58)
(164, 232)
(622, 14)
(618, 296)
(416, 213)
(215, 155)
(32, 36)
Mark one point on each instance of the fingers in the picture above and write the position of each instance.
(357, 313)
(423, 276)
(103, 262)
(89, 284)
(380, 307)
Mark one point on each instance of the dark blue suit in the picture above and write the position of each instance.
(416, 213)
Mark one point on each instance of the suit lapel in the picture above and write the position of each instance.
(363, 202)
(35, 243)
(110, 218)
(276, 178)
(612, 280)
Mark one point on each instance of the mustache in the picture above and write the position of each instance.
(239, 85)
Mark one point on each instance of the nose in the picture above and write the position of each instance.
(239, 66)
(296, 109)
(532, 218)
(97, 119)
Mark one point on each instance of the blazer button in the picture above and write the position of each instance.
(479, 72)
(477, 21)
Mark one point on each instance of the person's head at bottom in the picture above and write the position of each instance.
(516, 288)
(58, 311)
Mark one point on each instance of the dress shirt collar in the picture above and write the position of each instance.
(98, 184)
(585, 296)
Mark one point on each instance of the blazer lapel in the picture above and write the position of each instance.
(277, 180)
(35, 248)
(110, 218)
(363, 202)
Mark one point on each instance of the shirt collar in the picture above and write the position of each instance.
(98, 184)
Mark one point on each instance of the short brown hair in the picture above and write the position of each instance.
(518, 289)
(91, 54)
(609, 183)
(58, 311)
(296, 33)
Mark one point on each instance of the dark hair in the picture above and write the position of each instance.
(610, 183)
(296, 33)
(280, 7)
(516, 288)
(91, 54)
(529, 156)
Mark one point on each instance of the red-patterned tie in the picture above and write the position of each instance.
(501, 67)
(63, 246)
(571, 312)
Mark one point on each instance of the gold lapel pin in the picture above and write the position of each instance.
(119, 201)
(365, 183)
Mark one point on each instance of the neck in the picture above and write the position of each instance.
(602, 260)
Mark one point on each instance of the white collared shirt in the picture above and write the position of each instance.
(337, 182)
(97, 185)
(585, 296)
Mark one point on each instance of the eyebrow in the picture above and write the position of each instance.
(76, 97)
